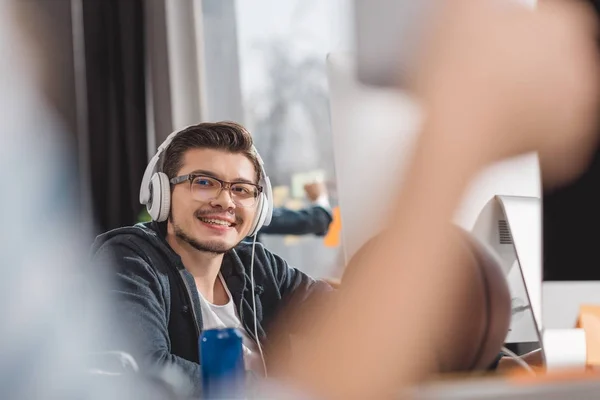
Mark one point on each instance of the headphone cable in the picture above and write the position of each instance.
(260, 350)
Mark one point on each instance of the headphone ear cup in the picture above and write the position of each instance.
(261, 215)
(160, 203)
(268, 194)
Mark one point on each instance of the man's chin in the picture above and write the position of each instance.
(215, 246)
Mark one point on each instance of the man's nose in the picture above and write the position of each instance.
(223, 200)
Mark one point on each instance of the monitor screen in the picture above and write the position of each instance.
(571, 225)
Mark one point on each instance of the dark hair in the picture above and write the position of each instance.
(227, 136)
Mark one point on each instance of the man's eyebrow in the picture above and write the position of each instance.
(203, 172)
(244, 180)
(214, 175)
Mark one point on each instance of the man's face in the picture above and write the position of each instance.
(213, 224)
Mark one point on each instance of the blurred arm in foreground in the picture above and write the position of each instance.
(487, 77)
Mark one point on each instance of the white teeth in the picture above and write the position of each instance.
(215, 221)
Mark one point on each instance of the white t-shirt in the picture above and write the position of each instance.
(226, 316)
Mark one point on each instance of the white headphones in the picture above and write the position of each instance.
(155, 191)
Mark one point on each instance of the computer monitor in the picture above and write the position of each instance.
(511, 227)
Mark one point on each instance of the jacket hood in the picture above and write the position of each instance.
(152, 232)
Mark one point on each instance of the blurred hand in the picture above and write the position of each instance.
(526, 77)
(314, 190)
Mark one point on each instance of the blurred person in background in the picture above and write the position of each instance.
(191, 272)
(312, 220)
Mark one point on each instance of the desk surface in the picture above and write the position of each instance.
(501, 389)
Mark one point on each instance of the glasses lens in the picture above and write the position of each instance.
(205, 188)
(244, 194)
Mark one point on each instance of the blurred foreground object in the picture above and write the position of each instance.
(484, 312)
(53, 319)
(486, 77)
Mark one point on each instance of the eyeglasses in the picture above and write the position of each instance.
(204, 188)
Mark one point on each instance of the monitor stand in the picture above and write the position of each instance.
(512, 227)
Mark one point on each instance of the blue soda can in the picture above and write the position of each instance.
(222, 364)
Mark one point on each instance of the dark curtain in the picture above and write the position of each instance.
(114, 56)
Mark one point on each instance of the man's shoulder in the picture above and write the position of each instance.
(137, 238)
(133, 250)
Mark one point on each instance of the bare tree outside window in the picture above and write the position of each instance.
(283, 45)
(291, 122)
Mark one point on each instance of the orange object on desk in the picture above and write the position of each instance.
(332, 239)
(519, 377)
(589, 320)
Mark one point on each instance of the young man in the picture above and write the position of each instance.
(191, 272)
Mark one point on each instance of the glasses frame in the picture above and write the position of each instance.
(224, 185)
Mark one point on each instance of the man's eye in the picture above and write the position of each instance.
(204, 182)
(243, 190)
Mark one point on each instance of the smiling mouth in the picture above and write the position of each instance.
(218, 222)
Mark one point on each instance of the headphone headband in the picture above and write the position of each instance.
(154, 167)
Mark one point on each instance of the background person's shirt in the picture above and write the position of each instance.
(312, 220)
